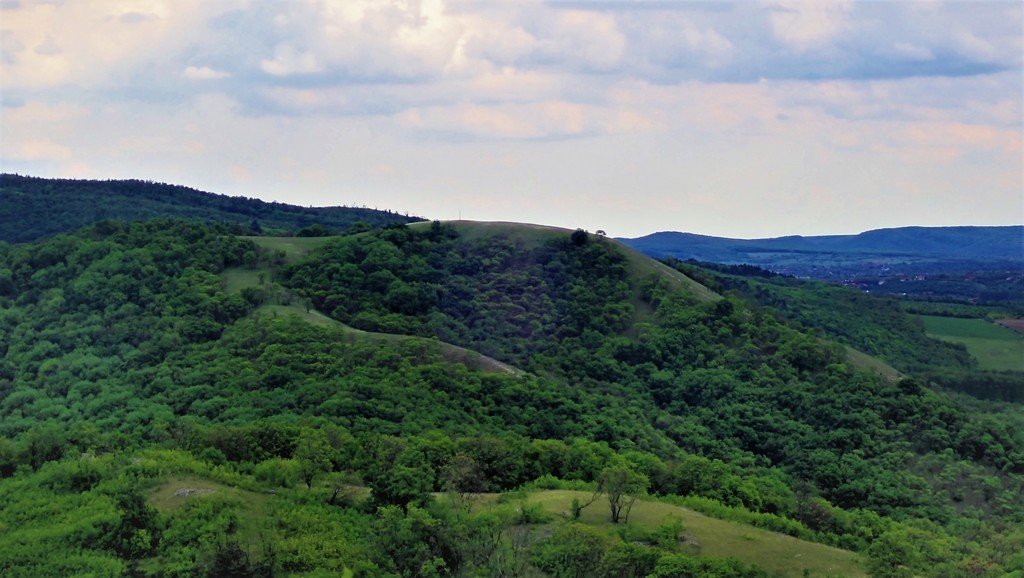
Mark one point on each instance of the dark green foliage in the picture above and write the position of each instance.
(414, 543)
(136, 532)
(628, 560)
(573, 551)
(875, 325)
(90, 308)
(992, 385)
(502, 300)
(32, 208)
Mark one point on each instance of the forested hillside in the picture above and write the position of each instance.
(32, 208)
(880, 326)
(157, 422)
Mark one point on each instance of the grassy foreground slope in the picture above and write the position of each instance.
(779, 554)
(213, 521)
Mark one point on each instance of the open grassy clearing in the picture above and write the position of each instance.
(295, 248)
(700, 535)
(995, 347)
(177, 491)
(704, 536)
(237, 278)
(529, 235)
(255, 511)
(862, 360)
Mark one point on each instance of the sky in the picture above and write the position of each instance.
(745, 119)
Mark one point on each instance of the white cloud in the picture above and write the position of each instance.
(288, 61)
(559, 119)
(614, 107)
(42, 149)
(92, 44)
(40, 112)
(805, 24)
(204, 73)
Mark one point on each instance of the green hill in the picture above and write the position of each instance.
(958, 346)
(32, 208)
(139, 353)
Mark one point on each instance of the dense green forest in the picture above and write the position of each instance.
(155, 422)
(877, 325)
(32, 208)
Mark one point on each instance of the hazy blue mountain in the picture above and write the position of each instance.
(909, 250)
(972, 243)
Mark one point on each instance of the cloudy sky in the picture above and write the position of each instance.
(740, 119)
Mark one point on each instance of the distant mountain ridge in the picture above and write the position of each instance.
(913, 249)
(982, 243)
(33, 208)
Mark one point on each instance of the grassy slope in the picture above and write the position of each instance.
(772, 551)
(862, 360)
(716, 538)
(255, 507)
(640, 265)
(704, 536)
(295, 248)
(994, 346)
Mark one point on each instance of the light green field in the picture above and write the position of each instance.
(192, 488)
(994, 346)
(862, 360)
(294, 248)
(777, 553)
(529, 235)
(237, 278)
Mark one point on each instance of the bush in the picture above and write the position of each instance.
(573, 551)
(277, 473)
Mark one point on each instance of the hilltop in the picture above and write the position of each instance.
(32, 208)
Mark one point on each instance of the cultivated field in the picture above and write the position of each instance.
(994, 346)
